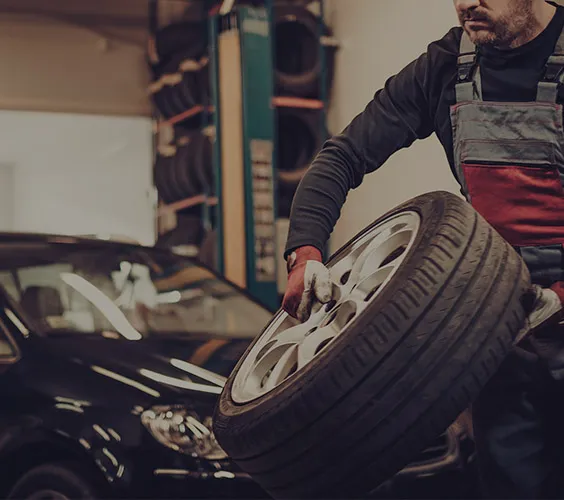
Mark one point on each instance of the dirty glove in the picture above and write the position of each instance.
(544, 308)
(308, 282)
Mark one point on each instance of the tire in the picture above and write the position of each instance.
(203, 165)
(196, 80)
(174, 90)
(60, 478)
(298, 62)
(185, 176)
(163, 173)
(188, 231)
(299, 140)
(397, 375)
(188, 38)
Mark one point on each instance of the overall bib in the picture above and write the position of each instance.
(509, 160)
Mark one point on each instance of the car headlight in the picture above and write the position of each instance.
(183, 431)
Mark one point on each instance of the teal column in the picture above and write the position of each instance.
(258, 132)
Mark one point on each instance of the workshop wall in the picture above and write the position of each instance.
(379, 38)
(78, 174)
(50, 65)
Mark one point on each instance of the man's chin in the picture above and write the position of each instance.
(481, 37)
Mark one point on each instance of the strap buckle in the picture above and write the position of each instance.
(465, 72)
(552, 72)
(466, 63)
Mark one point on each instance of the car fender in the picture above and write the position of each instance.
(92, 443)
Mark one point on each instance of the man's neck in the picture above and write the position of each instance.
(542, 14)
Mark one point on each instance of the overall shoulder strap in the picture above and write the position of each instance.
(553, 74)
(466, 64)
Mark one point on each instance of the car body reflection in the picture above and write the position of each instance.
(112, 356)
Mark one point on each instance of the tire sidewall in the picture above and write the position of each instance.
(228, 413)
(61, 479)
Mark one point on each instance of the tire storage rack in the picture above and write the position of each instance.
(240, 99)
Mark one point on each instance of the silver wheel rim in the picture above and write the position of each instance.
(359, 273)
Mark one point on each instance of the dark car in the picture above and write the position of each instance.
(112, 356)
(112, 359)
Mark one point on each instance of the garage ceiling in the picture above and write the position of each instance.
(122, 13)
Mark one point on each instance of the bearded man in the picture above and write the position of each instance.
(491, 90)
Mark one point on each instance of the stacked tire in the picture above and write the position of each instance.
(298, 69)
(185, 168)
(298, 73)
(179, 68)
(299, 138)
(182, 170)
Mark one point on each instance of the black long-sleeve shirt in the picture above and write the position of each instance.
(413, 104)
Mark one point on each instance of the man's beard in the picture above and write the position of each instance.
(502, 33)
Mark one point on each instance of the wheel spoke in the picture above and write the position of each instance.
(371, 284)
(389, 251)
(282, 369)
(293, 335)
(365, 255)
(309, 348)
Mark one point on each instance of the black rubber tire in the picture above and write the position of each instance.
(188, 38)
(403, 371)
(186, 181)
(203, 165)
(163, 177)
(61, 478)
(189, 230)
(297, 60)
(298, 142)
(173, 99)
(189, 88)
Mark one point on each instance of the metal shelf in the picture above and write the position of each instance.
(297, 102)
(193, 201)
(189, 113)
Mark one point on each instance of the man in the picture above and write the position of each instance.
(491, 91)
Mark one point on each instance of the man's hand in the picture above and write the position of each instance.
(544, 308)
(308, 281)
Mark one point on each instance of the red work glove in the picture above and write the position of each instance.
(544, 308)
(558, 288)
(308, 281)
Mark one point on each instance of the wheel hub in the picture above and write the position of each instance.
(359, 274)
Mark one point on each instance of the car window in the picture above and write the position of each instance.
(8, 283)
(131, 292)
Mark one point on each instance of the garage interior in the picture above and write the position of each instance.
(88, 63)
(182, 127)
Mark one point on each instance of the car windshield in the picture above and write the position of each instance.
(123, 291)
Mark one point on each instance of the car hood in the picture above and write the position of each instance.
(173, 368)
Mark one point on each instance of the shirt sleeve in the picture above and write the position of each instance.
(398, 114)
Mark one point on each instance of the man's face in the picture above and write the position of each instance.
(495, 22)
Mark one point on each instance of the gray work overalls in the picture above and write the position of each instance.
(509, 160)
